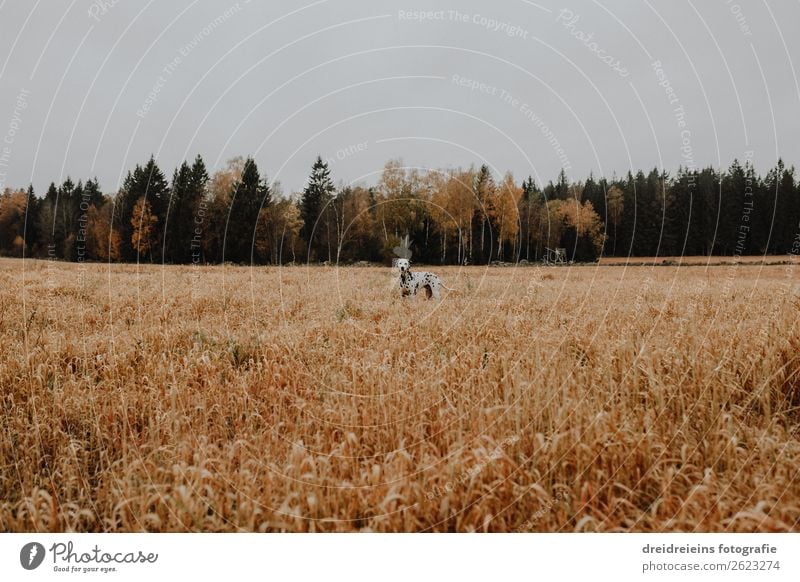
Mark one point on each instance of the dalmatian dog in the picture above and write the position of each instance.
(410, 282)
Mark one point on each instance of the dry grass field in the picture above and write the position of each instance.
(698, 260)
(315, 399)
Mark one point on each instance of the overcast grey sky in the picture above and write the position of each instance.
(91, 87)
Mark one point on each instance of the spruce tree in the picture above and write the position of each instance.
(177, 238)
(156, 192)
(146, 182)
(785, 223)
(124, 202)
(243, 214)
(92, 194)
(50, 236)
(314, 211)
(31, 225)
(482, 236)
(194, 219)
(530, 205)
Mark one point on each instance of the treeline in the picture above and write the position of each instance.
(452, 216)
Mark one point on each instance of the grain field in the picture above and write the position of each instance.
(300, 398)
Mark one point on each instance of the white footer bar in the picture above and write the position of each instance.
(402, 557)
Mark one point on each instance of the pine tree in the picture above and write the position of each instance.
(156, 192)
(733, 231)
(145, 181)
(249, 194)
(315, 212)
(50, 239)
(561, 188)
(785, 224)
(92, 194)
(708, 204)
(124, 202)
(193, 219)
(594, 192)
(527, 215)
(649, 213)
(483, 229)
(31, 224)
(77, 215)
(64, 210)
(615, 206)
(686, 214)
(177, 238)
(793, 220)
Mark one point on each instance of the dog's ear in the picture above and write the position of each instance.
(403, 250)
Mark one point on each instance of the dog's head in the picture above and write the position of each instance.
(403, 265)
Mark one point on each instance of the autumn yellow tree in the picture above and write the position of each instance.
(482, 232)
(552, 224)
(12, 221)
(503, 207)
(582, 232)
(143, 222)
(102, 242)
(355, 209)
(278, 231)
(214, 218)
(452, 210)
(530, 213)
(399, 206)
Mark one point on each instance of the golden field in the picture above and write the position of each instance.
(316, 399)
(697, 261)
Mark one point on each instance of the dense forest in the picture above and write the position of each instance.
(462, 216)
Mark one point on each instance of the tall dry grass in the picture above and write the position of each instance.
(314, 399)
